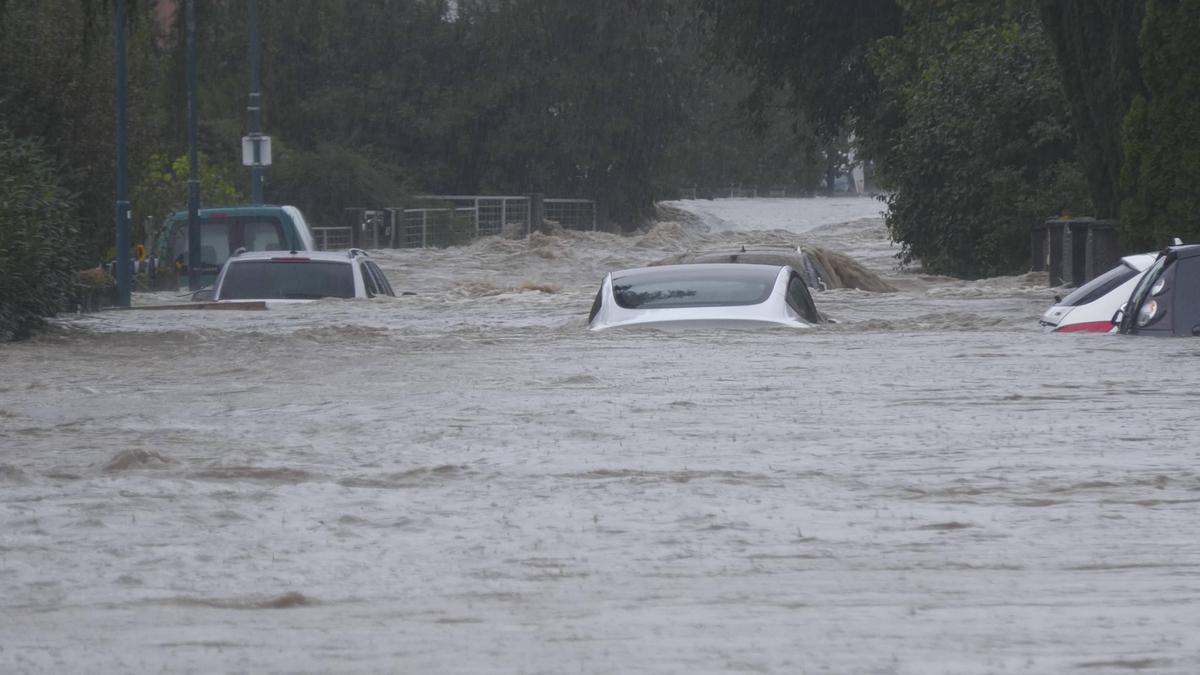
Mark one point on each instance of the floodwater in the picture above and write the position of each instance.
(465, 480)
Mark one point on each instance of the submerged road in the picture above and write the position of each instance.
(466, 480)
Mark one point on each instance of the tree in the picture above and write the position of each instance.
(578, 98)
(37, 236)
(57, 85)
(1162, 131)
(163, 189)
(984, 150)
(817, 48)
(1097, 52)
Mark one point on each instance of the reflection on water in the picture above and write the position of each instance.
(465, 479)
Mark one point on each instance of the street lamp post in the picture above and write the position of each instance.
(194, 258)
(254, 107)
(124, 273)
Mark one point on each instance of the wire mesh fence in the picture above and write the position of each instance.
(438, 227)
(328, 238)
(491, 215)
(572, 214)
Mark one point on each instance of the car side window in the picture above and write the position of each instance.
(380, 280)
(369, 281)
(800, 299)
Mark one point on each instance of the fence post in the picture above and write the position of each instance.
(395, 220)
(424, 226)
(353, 218)
(537, 212)
(600, 216)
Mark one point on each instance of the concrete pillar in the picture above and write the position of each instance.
(1038, 242)
(1075, 246)
(1103, 248)
(1055, 246)
(1077, 250)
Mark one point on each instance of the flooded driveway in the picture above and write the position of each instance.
(466, 480)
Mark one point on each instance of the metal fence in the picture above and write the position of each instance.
(572, 214)
(332, 237)
(451, 220)
(490, 215)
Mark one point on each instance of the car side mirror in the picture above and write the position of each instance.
(203, 295)
(1118, 316)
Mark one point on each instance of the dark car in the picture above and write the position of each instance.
(1167, 299)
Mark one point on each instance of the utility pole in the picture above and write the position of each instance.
(254, 108)
(124, 273)
(193, 181)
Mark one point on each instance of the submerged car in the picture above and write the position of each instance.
(1166, 301)
(703, 295)
(1090, 308)
(297, 276)
(222, 231)
(820, 269)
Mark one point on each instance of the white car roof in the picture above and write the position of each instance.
(691, 269)
(327, 256)
(1140, 261)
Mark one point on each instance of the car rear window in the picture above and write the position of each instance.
(219, 236)
(1100, 286)
(695, 286)
(287, 279)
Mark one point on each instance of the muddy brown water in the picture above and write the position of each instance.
(466, 480)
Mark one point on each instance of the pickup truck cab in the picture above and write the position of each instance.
(224, 230)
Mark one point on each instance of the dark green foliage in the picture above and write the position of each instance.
(818, 48)
(1162, 131)
(36, 238)
(346, 179)
(57, 85)
(732, 141)
(984, 151)
(576, 98)
(1096, 45)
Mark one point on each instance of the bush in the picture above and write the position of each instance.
(37, 238)
(985, 151)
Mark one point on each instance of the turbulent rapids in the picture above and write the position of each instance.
(466, 480)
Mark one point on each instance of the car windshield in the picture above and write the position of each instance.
(694, 286)
(287, 279)
(1100, 286)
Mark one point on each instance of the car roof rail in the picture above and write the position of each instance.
(239, 251)
(350, 253)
